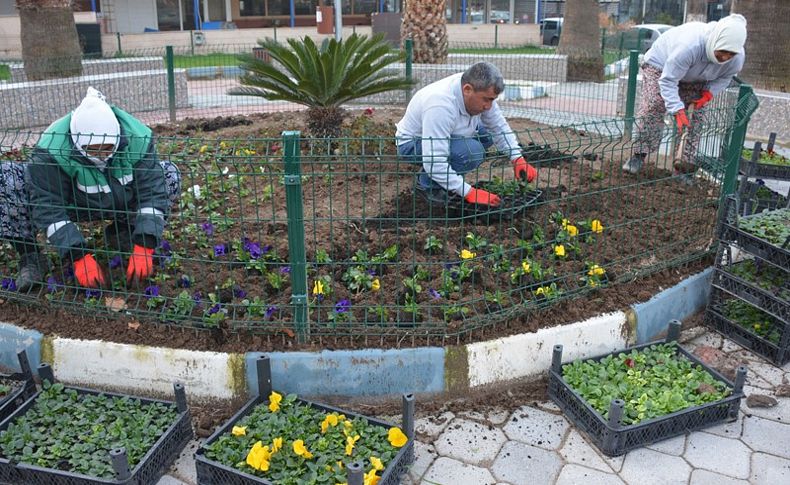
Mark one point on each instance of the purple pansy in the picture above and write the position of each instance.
(185, 281)
(434, 294)
(8, 284)
(285, 270)
(93, 293)
(238, 292)
(151, 291)
(52, 284)
(219, 250)
(208, 228)
(165, 247)
(214, 309)
(115, 262)
(342, 306)
(253, 248)
(270, 312)
(197, 297)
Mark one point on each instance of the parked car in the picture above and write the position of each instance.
(649, 33)
(499, 17)
(550, 30)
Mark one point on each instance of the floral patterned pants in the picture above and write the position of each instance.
(650, 118)
(14, 218)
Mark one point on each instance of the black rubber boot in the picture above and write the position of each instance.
(634, 164)
(32, 266)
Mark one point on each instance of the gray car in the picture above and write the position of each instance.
(649, 33)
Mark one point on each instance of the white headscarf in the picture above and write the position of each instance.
(728, 34)
(93, 123)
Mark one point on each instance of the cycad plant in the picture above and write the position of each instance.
(321, 78)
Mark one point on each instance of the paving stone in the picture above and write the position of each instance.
(424, 455)
(577, 450)
(770, 373)
(184, 467)
(729, 430)
(766, 435)
(170, 480)
(779, 413)
(549, 406)
(673, 446)
(722, 455)
(432, 426)
(470, 442)
(522, 464)
(575, 474)
(729, 346)
(709, 339)
(495, 417)
(536, 427)
(704, 477)
(646, 467)
(616, 462)
(769, 470)
(446, 471)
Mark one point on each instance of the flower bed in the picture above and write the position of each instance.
(75, 436)
(286, 440)
(16, 388)
(632, 398)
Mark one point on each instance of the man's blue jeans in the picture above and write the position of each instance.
(466, 154)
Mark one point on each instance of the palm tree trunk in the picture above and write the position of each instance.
(581, 41)
(50, 46)
(697, 11)
(767, 43)
(424, 22)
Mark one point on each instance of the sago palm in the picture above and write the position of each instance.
(321, 77)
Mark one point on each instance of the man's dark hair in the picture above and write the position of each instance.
(482, 76)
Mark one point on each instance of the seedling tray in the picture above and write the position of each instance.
(613, 438)
(22, 387)
(729, 232)
(763, 170)
(755, 295)
(147, 471)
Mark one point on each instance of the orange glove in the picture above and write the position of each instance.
(481, 197)
(523, 170)
(682, 120)
(704, 99)
(141, 263)
(88, 272)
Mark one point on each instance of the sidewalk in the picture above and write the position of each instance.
(535, 444)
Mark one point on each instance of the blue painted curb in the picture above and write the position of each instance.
(678, 302)
(13, 339)
(369, 372)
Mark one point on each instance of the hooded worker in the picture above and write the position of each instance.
(688, 64)
(96, 163)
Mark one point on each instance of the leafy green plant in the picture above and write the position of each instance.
(433, 245)
(653, 382)
(753, 319)
(358, 279)
(323, 78)
(475, 242)
(769, 158)
(771, 226)
(762, 275)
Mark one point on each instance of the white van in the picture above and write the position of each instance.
(550, 29)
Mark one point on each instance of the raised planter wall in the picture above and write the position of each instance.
(103, 66)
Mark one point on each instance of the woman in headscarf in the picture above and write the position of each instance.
(688, 64)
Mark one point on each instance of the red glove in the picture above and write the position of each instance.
(481, 197)
(88, 272)
(704, 99)
(141, 263)
(523, 170)
(682, 120)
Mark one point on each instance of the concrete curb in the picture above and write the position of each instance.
(151, 371)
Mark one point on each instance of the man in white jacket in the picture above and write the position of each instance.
(688, 64)
(449, 124)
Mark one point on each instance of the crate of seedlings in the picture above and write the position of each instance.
(750, 326)
(766, 234)
(16, 388)
(632, 398)
(765, 164)
(73, 436)
(276, 439)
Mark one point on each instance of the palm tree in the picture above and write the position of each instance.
(767, 43)
(425, 23)
(581, 41)
(50, 46)
(322, 78)
(697, 11)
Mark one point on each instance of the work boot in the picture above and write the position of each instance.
(118, 236)
(32, 267)
(634, 164)
(429, 189)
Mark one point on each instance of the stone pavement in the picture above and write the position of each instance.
(538, 445)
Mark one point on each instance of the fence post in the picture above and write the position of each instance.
(622, 39)
(603, 40)
(630, 100)
(118, 39)
(496, 36)
(171, 84)
(409, 45)
(191, 43)
(735, 145)
(296, 251)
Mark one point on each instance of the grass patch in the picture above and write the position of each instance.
(205, 60)
(5, 72)
(527, 49)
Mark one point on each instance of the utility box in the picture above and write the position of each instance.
(387, 23)
(325, 19)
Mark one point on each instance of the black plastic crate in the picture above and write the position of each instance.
(613, 438)
(148, 471)
(754, 168)
(729, 232)
(23, 387)
(715, 317)
(210, 472)
(755, 295)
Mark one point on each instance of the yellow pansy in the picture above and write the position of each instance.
(572, 230)
(525, 266)
(596, 226)
(565, 223)
(258, 457)
(596, 270)
(396, 437)
(318, 288)
(376, 285)
(559, 251)
(277, 444)
(300, 449)
(350, 442)
(239, 430)
(371, 478)
(274, 401)
(543, 290)
(376, 462)
(467, 254)
(592, 283)
(203, 149)
(329, 420)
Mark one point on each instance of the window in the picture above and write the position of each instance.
(365, 6)
(251, 7)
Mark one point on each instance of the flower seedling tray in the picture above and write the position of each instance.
(82, 444)
(615, 428)
(765, 164)
(226, 456)
(16, 388)
(749, 326)
(766, 234)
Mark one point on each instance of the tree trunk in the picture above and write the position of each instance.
(581, 41)
(50, 46)
(697, 11)
(767, 43)
(424, 22)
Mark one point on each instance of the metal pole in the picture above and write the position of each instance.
(338, 21)
(735, 145)
(463, 11)
(293, 13)
(171, 84)
(296, 251)
(118, 36)
(630, 100)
